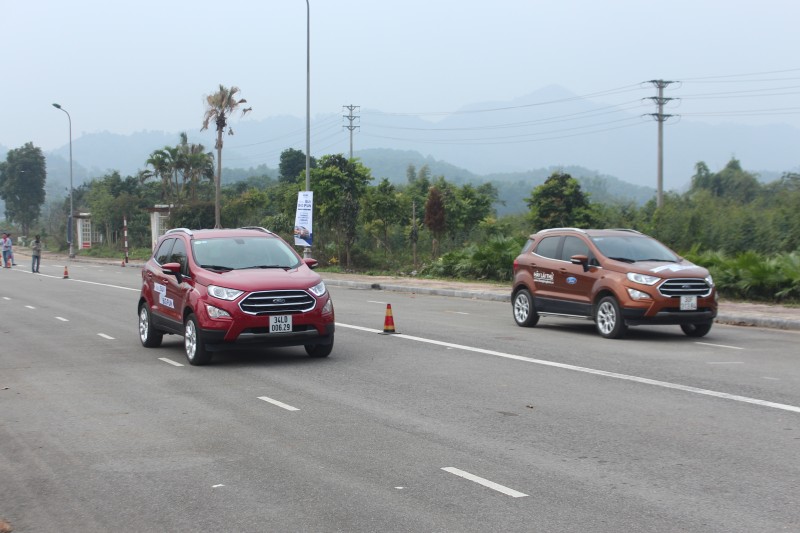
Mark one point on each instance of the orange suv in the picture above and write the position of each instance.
(616, 277)
(221, 288)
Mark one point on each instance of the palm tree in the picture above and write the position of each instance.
(219, 107)
(196, 164)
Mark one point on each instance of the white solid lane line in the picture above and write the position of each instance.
(279, 404)
(719, 346)
(564, 366)
(170, 361)
(485, 482)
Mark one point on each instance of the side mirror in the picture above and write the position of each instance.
(580, 260)
(311, 263)
(173, 269)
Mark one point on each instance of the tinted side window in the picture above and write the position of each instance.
(178, 255)
(162, 254)
(548, 247)
(574, 246)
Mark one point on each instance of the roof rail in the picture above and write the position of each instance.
(561, 229)
(182, 230)
(259, 228)
(625, 229)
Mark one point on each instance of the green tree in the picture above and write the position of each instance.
(435, 217)
(381, 209)
(338, 185)
(292, 164)
(219, 107)
(559, 202)
(22, 179)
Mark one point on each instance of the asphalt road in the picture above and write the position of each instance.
(461, 422)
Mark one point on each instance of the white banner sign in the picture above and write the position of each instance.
(303, 218)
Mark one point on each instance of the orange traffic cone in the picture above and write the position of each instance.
(66, 274)
(388, 323)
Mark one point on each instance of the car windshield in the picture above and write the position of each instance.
(634, 248)
(237, 253)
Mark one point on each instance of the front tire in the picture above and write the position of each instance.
(150, 337)
(525, 314)
(608, 319)
(696, 330)
(319, 350)
(195, 347)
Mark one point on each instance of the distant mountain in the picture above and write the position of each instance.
(470, 145)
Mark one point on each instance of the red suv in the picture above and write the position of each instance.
(618, 278)
(224, 287)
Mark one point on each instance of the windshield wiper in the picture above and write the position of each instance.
(660, 260)
(217, 267)
(266, 266)
(623, 259)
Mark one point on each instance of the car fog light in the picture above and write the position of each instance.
(216, 312)
(638, 295)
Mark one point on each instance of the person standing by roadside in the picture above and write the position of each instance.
(5, 245)
(36, 254)
(11, 249)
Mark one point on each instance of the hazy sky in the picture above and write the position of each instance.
(124, 67)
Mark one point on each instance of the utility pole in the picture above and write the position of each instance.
(351, 117)
(661, 118)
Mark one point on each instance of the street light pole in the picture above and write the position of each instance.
(307, 250)
(71, 211)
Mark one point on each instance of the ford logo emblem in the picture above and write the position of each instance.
(571, 280)
(279, 300)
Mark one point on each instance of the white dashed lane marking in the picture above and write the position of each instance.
(169, 361)
(109, 337)
(485, 482)
(279, 404)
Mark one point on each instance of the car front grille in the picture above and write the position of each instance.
(673, 288)
(277, 302)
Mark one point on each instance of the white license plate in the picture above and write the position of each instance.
(688, 303)
(280, 324)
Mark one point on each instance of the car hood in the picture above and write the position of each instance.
(261, 279)
(684, 269)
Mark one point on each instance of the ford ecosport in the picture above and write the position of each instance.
(220, 288)
(618, 278)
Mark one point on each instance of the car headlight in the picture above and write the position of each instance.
(223, 293)
(644, 279)
(318, 289)
(710, 280)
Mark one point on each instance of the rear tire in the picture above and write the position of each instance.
(525, 314)
(150, 337)
(319, 350)
(194, 345)
(608, 319)
(696, 330)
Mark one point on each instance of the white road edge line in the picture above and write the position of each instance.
(485, 482)
(564, 366)
(109, 337)
(279, 404)
(169, 361)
